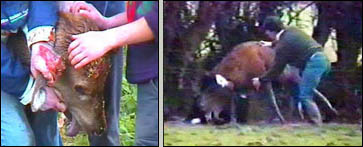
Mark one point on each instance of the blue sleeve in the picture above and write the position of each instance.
(14, 77)
(152, 19)
(42, 13)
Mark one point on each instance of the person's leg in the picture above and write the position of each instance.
(294, 95)
(147, 114)
(112, 96)
(45, 127)
(311, 76)
(15, 128)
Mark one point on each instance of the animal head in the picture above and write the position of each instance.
(213, 86)
(214, 81)
(82, 89)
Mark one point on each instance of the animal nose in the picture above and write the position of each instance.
(97, 133)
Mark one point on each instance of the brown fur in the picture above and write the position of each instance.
(69, 25)
(82, 89)
(87, 82)
(244, 62)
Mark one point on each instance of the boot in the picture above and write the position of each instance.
(313, 111)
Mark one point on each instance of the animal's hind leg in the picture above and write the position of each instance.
(233, 110)
(208, 117)
(216, 115)
(272, 101)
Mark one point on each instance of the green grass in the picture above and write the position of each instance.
(263, 135)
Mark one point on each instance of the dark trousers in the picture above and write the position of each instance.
(147, 117)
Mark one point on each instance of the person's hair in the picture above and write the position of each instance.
(272, 23)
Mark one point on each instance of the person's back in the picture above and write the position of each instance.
(296, 46)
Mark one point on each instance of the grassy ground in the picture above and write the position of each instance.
(262, 135)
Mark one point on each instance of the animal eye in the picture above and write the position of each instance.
(80, 89)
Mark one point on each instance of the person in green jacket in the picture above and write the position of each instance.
(296, 48)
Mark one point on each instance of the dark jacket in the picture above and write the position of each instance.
(294, 48)
(142, 59)
(14, 16)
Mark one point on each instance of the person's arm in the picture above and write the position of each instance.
(92, 45)
(41, 21)
(89, 11)
(115, 21)
(279, 65)
(39, 30)
(132, 33)
(148, 29)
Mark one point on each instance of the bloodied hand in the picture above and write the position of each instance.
(45, 61)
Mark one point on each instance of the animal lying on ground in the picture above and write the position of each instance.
(82, 90)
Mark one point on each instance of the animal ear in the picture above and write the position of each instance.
(38, 96)
(222, 81)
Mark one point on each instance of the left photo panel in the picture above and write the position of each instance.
(79, 73)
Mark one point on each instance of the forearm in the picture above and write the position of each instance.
(274, 72)
(115, 21)
(41, 21)
(132, 33)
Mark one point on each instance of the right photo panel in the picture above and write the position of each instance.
(262, 73)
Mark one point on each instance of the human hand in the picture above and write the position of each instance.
(256, 83)
(88, 10)
(45, 61)
(265, 43)
(88, 47)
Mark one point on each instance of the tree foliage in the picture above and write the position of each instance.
(197, 35)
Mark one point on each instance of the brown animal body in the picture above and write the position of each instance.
(82, 90)
(245, 62)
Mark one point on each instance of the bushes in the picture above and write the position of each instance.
(127, 113)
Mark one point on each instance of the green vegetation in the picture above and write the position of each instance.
(128, 113)
(262, 135)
